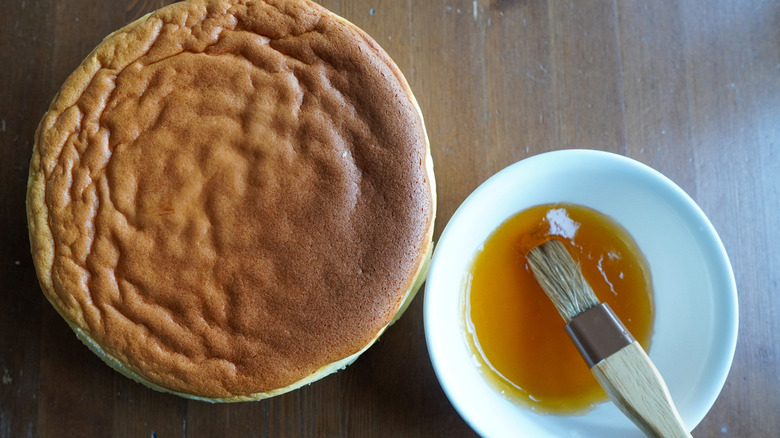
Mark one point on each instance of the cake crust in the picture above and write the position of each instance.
(229, 199)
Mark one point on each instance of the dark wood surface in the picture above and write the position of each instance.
(691, 88)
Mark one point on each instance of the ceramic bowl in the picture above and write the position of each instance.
(696, 315)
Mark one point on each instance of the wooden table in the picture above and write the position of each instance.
(691, 88)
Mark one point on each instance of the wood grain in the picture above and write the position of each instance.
(691, 88)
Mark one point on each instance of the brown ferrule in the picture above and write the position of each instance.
(598, 333)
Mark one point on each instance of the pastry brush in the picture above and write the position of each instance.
(615, 358)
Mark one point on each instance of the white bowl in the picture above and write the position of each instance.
(696, 315)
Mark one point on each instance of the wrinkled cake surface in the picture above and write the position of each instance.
(227, 196)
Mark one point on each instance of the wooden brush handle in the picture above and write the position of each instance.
(635, 386)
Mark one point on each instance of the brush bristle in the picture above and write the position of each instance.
(561, 278)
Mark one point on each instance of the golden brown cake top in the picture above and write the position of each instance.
(228, 195)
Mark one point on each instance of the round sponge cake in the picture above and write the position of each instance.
(229, 199)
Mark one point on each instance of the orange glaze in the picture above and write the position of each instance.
(513, 329)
